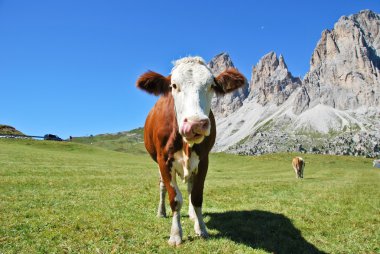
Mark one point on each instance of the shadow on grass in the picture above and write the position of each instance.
(271, 232)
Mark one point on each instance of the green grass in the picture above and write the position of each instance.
(62, 197)
(128, 141)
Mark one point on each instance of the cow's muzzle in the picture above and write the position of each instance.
(195, 129)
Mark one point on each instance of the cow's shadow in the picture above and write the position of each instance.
(271, 232)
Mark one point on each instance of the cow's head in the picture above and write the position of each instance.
(192, 86)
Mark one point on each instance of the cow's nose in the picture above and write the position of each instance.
(196, 126)
(192, 127)
(203, 124)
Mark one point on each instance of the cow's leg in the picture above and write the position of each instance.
(295, 170)
(161, 211)
(189, 189)
(175, 199)
(197, 198)
(176, 230)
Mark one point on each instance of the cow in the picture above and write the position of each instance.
(376, 163)
(298, 165)
(180, 131)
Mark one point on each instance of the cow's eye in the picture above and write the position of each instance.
(174, 86)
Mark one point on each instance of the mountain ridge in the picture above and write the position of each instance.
(339, 97)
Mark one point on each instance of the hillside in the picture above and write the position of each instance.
(127, 141)
(65, 197)
(334, 109)
(9, 130)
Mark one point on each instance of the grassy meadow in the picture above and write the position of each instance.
(127, 141)
(65, 197)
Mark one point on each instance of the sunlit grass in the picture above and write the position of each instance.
(60, 197)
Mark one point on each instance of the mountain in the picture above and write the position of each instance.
(271, 81)
(334, 109)
(9, 130)
(345, 66)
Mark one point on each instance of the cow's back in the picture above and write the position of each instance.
(298, 163)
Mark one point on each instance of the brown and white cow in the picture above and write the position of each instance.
(180, 131)
(298, 165)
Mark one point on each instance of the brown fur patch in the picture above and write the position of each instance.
(228, 81)
(154, 83)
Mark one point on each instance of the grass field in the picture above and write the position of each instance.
(127, 141)
(62, 197)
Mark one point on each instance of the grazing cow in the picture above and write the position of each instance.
(180, 131)
(376, 163)
(298, 165)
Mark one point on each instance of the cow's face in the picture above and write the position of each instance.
(192, 86)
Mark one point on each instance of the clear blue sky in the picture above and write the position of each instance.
(69, 67)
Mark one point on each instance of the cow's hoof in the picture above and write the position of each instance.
(175, 240)
(202, 234)
(161, 215)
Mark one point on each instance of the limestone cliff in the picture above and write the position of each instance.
(345, 66)
(271, 81)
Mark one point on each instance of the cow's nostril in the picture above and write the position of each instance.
(185, 120)
(204, 124)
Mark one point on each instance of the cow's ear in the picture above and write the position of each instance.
(228, 81)
(154, 83)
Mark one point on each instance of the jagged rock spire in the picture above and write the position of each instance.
(271, 81)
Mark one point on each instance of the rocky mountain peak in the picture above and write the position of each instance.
(268, 64)
(345, 65)
(271, 80)
(281, 63)
(220, 62)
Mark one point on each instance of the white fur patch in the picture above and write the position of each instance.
(185, 166)
(176, 230)
(173, 183)
(199, 225)
(195, 59)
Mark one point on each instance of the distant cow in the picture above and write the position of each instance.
(298, 165)
(180, 131)
(376, 163)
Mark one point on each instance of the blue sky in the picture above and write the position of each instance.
(69, 67)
